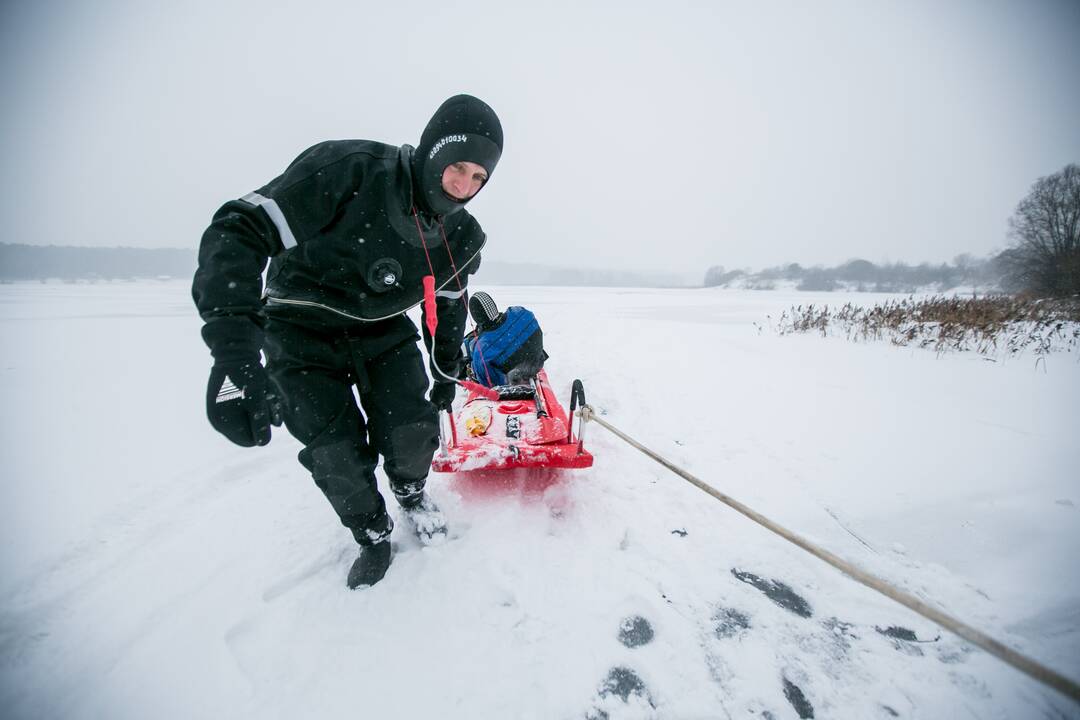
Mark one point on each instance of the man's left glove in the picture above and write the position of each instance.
(442, 395)
(242, 403)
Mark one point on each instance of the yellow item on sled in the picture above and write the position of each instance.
(478, 419)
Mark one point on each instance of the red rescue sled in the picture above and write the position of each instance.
(525, 427)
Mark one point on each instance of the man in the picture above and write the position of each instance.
(507, 347)
(351, 228)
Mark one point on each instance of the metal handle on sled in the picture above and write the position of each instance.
(577, 399)
(538, 397)
(453, 433)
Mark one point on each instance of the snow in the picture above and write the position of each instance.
(151, 569)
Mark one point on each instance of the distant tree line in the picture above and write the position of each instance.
(864, 276)
(44, 262)
(1043, 260)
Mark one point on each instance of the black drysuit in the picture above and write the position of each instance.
(348, 250)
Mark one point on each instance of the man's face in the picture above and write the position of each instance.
(462, 180)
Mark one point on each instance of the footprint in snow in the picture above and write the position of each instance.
(780, 593)
(635, 631)
(729, 622)
(905, 640)
(797, 698)
(622, 687)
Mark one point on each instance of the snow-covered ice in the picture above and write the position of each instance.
(152, 569)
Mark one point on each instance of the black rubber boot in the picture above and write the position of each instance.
(371, 566)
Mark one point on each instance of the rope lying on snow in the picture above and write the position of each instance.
(1025, 664)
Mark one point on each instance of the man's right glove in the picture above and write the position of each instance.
(242, 403)
(442, 395)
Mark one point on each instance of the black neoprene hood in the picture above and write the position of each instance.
(464, 128)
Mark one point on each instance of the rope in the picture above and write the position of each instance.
(446, 244)
(461, 289)
(423, 240)
(431, 268)
(1026, 665)
(477, 346)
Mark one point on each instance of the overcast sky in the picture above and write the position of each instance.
(659, 136)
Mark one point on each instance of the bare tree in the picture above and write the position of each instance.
(1045, 229)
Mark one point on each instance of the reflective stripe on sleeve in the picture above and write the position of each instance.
(276, 216)
(452, 294)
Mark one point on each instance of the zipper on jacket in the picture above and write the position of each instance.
(311, 303)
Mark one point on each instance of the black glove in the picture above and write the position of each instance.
(442, 395)
(242, 403)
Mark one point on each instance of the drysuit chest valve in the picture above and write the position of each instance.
(384, 275)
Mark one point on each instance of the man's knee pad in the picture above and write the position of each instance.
(412, 446)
